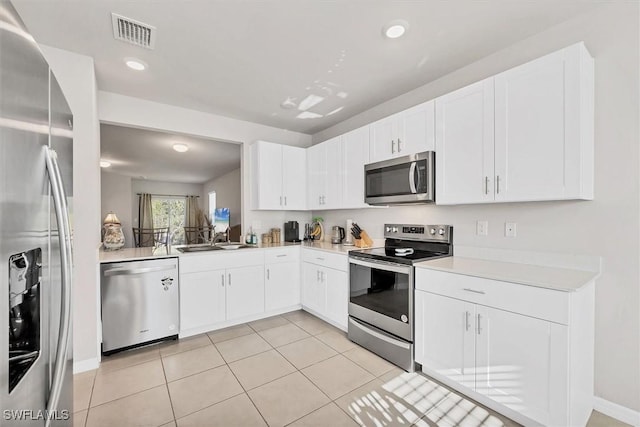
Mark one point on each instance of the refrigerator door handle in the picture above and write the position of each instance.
(64, 235)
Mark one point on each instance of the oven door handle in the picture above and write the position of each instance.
(382, 265)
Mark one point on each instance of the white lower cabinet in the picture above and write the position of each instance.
(325, 285)
(282, 278)
(217, 288)
(202, 299)
(532, 367)
(245, 291)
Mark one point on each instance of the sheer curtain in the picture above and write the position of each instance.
(145, 220)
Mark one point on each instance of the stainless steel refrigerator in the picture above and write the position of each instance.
(36, 145)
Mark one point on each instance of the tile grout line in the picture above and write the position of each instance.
(166, 385)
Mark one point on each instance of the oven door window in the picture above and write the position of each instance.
(385, 292)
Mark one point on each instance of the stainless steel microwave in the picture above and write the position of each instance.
(408, 179)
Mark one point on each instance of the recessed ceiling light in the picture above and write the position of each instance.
(104, 164)
(396, 28)
(308, 115)
(135, 64)
(180, 148)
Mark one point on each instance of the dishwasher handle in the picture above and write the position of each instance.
(128, 271)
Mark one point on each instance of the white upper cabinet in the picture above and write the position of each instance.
(410, 131)
(355, 154)
(523, 135)
(464, 145)
(294, 184)
(323, 175)
(278, 179)
(544, 128)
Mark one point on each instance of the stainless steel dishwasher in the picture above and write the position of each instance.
(139, 303)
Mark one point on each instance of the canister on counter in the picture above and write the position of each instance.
(266, 238)
(275, 235)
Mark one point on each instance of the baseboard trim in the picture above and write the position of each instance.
(85, 365)
(619, 412)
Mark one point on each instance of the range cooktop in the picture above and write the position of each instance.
(409, 244)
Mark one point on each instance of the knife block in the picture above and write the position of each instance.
(364, 241)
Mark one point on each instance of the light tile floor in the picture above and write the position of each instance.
(292, 370)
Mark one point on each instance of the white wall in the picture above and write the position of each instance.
(124, 110)
(76, 76)
(608, 226)
(228, 194)
(116, 197)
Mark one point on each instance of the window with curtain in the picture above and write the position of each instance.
(169, 212)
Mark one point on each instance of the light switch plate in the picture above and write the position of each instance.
(510, 229)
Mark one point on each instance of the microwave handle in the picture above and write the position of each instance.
(412, 178)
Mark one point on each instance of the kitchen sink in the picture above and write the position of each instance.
(215, 247)
(198, 248)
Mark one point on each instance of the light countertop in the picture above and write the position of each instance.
(130, 254)
(561, 279)
(329, 247)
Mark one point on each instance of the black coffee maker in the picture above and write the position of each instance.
(291, 231)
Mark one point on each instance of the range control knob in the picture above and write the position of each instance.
(432, 231)
(395, 229)
(387, 229)
(441, 231)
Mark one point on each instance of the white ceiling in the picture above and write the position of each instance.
(146, 154)
(241, 59)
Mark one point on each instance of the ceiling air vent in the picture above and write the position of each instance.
(134, 32)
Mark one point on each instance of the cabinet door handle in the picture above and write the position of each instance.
(280, 200)
(229, 279)
(222, 275)
(498, 184)
(285, 200)
(466, 320)
(393, 146)
(267, 274)
(473, 290)
(486, 185)
(318, 276)
(478, 324)
(399, 148)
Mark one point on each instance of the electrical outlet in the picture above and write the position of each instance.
(510, 229)
(482, 228)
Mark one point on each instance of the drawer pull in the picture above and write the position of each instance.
(281, 255)
(320, 259)
(473, 290)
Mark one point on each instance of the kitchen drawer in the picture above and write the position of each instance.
(531, 301)
(277, 255)
(326, 259)
(221, 259)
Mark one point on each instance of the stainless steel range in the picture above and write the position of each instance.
(381, 288)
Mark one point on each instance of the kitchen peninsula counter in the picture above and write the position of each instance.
(138, 254)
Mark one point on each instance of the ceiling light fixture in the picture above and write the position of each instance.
(135, 64)
(395, 29)
(180, 148)
(308, 115)
(104, 164)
